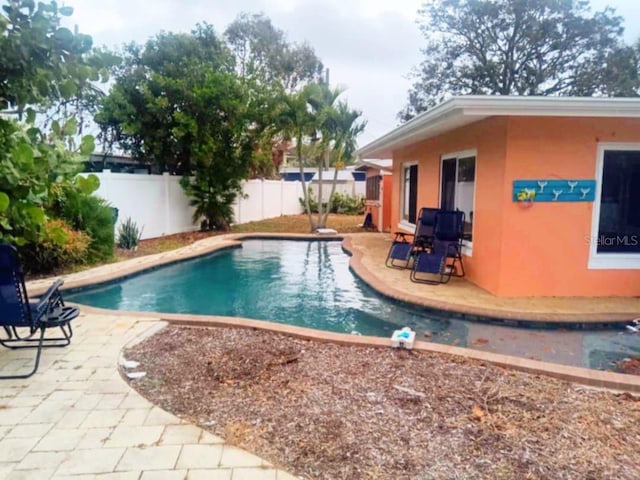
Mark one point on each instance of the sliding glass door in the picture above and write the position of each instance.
(458, 185)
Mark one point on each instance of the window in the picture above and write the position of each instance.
(409, 193)
(615, 239)
(373, 187)
(458, 185)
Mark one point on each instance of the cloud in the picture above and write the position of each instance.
(370, 46)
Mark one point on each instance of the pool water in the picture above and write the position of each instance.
(309, 284)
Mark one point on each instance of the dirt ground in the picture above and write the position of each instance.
(324, 411)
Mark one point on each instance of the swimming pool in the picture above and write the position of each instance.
(309, 284)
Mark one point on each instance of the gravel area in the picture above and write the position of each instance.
(323, 411)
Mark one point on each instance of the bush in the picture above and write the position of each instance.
(347, 205)
(94, 216)
(59, 247)
(129, 235)
(343, 204)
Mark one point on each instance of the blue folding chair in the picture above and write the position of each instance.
(16, 312)
(441, 261)
(402, 249)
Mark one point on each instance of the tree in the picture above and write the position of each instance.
(520, 47)
(147, 107)
(262, 53)
(264, 58)
(315, 115)
(45, 65)
(224, 141)
(178, 103)
(42, 66)
(296, 121)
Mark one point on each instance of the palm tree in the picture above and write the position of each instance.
(315, 114)
(346, 129)
(296, 121)
(338, 126)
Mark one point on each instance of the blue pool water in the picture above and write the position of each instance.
(309, 284)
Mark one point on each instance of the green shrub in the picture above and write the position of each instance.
(74, 203)
(347, 205)
(129, 234)
(59, 247)
(343, 204)
(94, 216)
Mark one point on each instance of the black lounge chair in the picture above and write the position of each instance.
(401, 250)
(16, 312)
(441, 261)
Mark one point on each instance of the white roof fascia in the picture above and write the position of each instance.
(459, 111)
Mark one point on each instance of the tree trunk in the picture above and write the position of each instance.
(320, 207)
(305, 192)
(323, 221)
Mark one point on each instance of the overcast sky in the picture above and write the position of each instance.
(370, 46)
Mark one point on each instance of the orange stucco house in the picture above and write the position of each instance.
(577, 160)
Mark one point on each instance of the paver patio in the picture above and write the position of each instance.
(76, 418)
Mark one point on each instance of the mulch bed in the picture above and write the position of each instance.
(325, 411)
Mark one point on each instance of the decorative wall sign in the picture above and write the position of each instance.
(554, 190)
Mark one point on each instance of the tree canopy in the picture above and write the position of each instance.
(262, 52)
(520, 47)
(44, 68)
(152, 110)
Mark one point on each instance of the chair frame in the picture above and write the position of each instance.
(452, 250)
(422, 239)
(48, 312)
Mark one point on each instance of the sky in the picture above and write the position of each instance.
(370, 46)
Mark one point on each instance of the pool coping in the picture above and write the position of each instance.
(584, 376)
(517, 318)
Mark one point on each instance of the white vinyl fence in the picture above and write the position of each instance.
(159, 205)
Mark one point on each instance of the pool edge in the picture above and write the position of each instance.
(579, 375)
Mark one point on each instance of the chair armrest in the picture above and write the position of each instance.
(401, 237)
(52, 298)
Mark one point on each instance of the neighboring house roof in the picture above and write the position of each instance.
(378, 164)
(459, 111)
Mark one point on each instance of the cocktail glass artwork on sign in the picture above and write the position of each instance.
(584, 192)
(542, 184)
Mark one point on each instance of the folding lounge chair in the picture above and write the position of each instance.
(446, 245)
(401, 250)
(16, 312)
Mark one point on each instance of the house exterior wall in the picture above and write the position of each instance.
(387, 195)
(545, 249)
(488, 138)
(537, 251)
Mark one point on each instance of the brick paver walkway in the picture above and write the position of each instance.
(76, 418)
